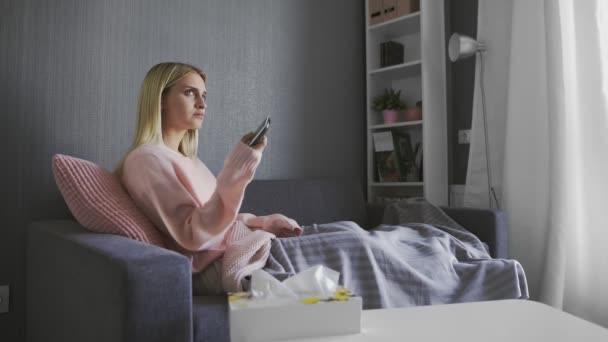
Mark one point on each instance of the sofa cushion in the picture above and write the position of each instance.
(98, 201)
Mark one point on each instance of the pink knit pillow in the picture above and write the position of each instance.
(98, 201)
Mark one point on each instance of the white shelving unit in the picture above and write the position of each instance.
(421, 77)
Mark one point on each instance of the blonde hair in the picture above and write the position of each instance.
(155, 85)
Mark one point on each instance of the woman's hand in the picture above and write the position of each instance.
(279, 225)
(288, 232)
(259, 146)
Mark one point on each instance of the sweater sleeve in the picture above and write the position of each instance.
(160, 188)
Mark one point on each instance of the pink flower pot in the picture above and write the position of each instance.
(390, 116)
(413, 114)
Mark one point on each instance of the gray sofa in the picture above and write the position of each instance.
(83, 286)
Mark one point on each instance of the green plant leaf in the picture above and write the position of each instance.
(390, 99)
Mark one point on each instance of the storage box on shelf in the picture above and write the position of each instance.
(383, 10)
(412, 77)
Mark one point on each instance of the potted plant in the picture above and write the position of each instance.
(390, 104)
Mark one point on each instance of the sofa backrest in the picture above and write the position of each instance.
(308, 201)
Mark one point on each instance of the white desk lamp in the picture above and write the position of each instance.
(461, 47)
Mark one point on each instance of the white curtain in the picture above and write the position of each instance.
(549, 146)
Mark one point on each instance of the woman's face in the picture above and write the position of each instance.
(184, 104)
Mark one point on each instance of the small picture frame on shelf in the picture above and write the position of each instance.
(386, 158)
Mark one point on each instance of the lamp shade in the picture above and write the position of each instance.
(461, 47)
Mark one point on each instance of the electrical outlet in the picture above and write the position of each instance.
(464, 136)
(4, 295)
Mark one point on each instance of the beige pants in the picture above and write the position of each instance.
(209, 281)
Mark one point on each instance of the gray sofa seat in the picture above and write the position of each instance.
(83, 286)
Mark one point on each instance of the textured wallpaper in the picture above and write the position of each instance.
(70, 73)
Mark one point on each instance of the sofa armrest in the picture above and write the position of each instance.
(488, 225)
(83, 286)
(375, 214)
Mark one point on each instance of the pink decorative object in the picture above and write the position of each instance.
(98, 201)
(414, 113)
(390, 116)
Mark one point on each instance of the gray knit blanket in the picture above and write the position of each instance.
(423, 258)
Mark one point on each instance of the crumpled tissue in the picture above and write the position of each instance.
(317, 281)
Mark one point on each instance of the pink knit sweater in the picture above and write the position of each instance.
(196, 210)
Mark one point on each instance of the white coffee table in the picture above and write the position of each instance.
(504, 320)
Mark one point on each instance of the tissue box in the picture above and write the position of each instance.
(253, 320)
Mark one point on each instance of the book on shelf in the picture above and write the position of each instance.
(391, 53)
(383, 10)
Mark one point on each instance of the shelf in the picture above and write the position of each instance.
(422, 34)
(397, 124)
(397, 184)
(398, 71)
(397, 27)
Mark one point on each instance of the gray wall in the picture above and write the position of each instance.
(71, 71)
(461, 80)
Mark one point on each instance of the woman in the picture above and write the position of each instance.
(435, 261)
(173, 188)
